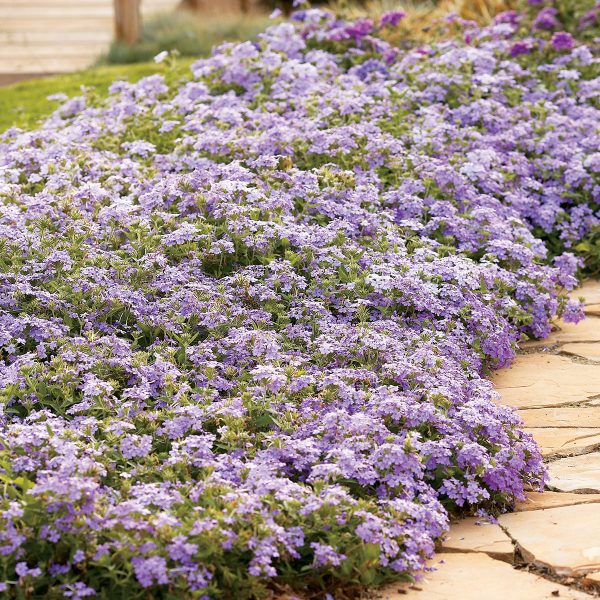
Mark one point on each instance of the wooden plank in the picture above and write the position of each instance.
(58, 24)
(84, 5)
(37, 3)
(47, 65)
(56, 37)
(55, 11)
(56, 51)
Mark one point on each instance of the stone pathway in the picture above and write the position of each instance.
(550, 546)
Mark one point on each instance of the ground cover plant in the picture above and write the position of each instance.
(25, 103)
(247, 315)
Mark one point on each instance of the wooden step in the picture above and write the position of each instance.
(49, 65)
(58, 24)
(52, 10)
(46, 3)
(50, 37)
(35, 52)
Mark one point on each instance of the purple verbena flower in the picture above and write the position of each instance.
(562, 40)
(391, 18)
(546, 18)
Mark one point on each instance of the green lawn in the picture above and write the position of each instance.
(23, 104)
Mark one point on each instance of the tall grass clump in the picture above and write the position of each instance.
(188, 33)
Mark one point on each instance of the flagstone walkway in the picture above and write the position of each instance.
(550, 546)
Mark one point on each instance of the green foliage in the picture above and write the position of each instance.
(589, 250)
(24, 104)
(189, 34)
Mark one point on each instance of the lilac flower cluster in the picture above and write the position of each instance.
(247, 317)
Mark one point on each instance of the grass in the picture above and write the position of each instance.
(188, 33)
(25, 103)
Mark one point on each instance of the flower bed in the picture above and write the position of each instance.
(246, 319)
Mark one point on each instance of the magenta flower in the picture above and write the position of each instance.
(520, 47)
(359, 29)
(546, 19)
(392, 18)
(562, 40)
(510, 16)
(590, 18)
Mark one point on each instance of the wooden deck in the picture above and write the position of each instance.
(57, 36)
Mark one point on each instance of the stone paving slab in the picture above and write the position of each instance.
(589, 351)
(565, 540)
(476, 535)
(565, 440)
(478, 577)
(542, 380)
(587, 330)
(577, 473)
(542, 500)
(588, 417)
(589, 291)
(593, 577)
